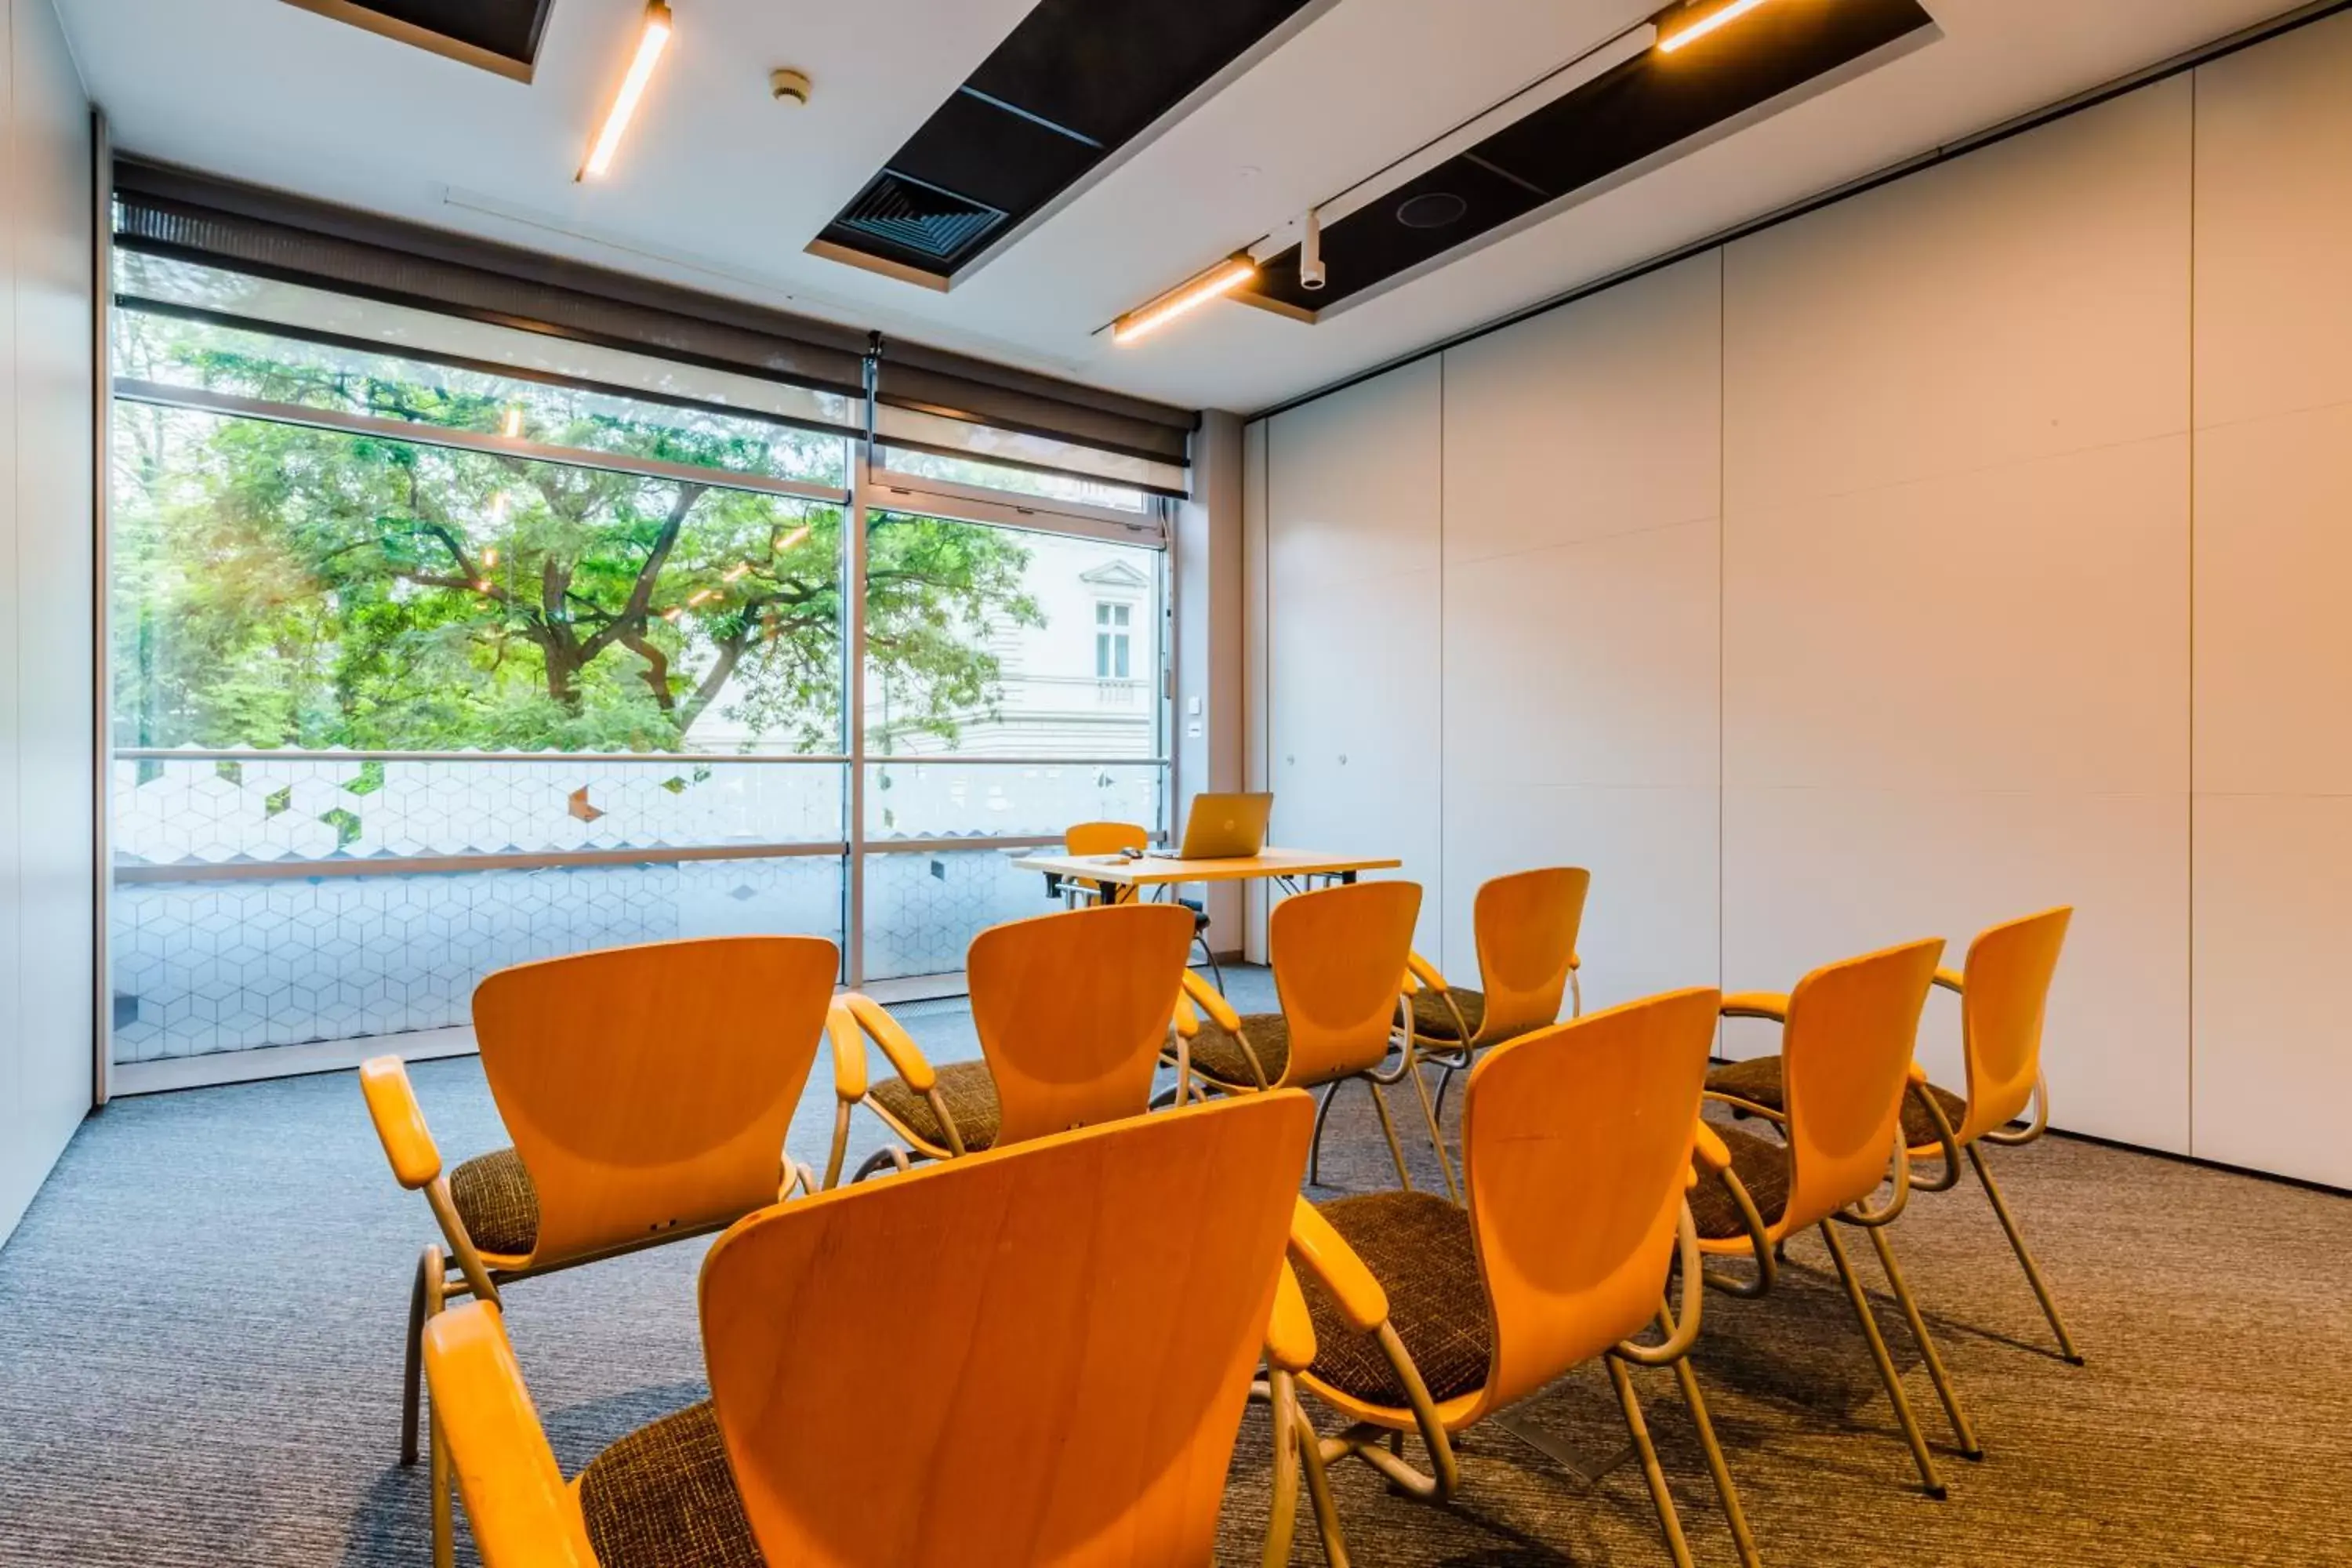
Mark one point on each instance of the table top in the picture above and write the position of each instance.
(1153, 870)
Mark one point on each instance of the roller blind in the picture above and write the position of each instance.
(927, 399)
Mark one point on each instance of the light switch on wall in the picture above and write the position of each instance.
(1192, 706)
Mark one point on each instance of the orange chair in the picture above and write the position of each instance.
(1115, 837)
(1072, 1010)
(649, 1091)
(1431, 1317)
(1339, 957)
(1061, 1381)
(1846, 1044)
(2004, 992)
(1527, 925)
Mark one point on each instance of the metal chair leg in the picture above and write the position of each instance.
(1388, 1131)
(2025, 1257)
(1429, 1115)
(1716, 1465)
(1669, 1523)
(1322, 1115)
(1961, 1429)
(412, 1372)
(1886, 1373)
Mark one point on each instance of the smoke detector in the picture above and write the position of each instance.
(790, 87)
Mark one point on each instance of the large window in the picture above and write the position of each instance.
(422, 666)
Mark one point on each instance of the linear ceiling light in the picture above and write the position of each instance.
(650, 44)
(1223, 278)
(1721, 17)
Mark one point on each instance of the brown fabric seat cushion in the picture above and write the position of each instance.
(1433, 1020)
(1762, 1167)
(664, 1497)
(1418, 1247)
(970, 1096)
(494, 1197)
(1757, 1081)
(1219, 1056)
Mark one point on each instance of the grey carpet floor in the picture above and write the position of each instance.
(200, 1339)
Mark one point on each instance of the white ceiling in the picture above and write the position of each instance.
(719, 188)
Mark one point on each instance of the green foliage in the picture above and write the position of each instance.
(278, 584)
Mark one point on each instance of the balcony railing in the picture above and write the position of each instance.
(280, 896)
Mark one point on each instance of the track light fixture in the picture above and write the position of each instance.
(1189, 295)
(1674, 36)
(651, 42)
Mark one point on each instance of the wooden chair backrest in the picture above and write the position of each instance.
(1037, 1354)
(1527, 924)
(1576, 1140)
(2005, 991)
(1072, 1010)
(649, 1088)
(1845, 1059)
(1339, 956)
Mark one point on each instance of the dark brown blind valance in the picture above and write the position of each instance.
(200, 217)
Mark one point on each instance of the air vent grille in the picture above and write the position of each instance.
(920, 219)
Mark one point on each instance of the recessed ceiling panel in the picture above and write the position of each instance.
(1651, 105)
(1073, 89)
(497, 35)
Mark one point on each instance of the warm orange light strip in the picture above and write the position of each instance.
(633, 87)
(1705, 25)
(1223, 278)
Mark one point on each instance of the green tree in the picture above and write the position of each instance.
(284, 584)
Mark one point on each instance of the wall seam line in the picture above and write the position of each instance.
(2195, 76)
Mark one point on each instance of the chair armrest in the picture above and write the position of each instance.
(399, 1122)
(1337, 1268)
(1918, 1074)
(1185, 1021)
(1770, 1004)
(1421, 969)
(1709, 1149)
(1290, 1335)
(1949, 979)
(522, 1514)
(1212, 1002)
(849, 1075)
(906, 1057)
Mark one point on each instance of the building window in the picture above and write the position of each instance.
(1113, 657)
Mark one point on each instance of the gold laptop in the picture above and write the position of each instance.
(1225, 827)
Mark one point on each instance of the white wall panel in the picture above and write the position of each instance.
(2024, 627)
(2274, 227)
(1956, 550)
(2274, 924)
(1582, 664)
(1353, 654)
(2274, 676)
(1602, 418)
(2027, 301)
(46, 611)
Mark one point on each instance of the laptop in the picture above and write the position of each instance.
(1225, 828)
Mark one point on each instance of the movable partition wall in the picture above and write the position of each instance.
(467, 607)
(1966, 546)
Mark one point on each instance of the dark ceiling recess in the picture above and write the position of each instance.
(1642, 108)
(497, 35)
(1072, 85)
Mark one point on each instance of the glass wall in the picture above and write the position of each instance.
(1037, 736)
(420, 669)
